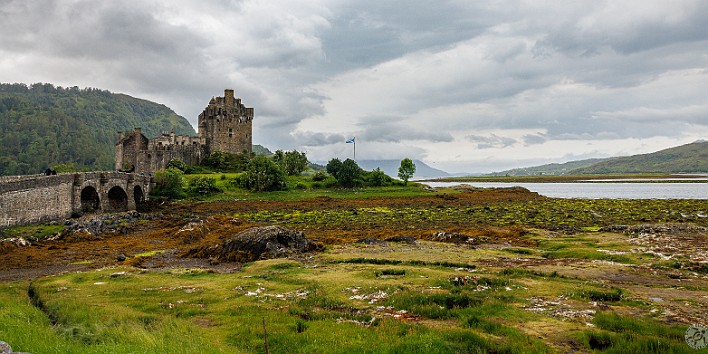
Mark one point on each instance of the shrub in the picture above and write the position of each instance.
(346, 173)
(378, 178)
(319, 176)
(224, 161)
(203, 185)
(169, 183)
(262, 174)
(295, 162)
(178, 164)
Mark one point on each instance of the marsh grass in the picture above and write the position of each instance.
(593, 254)
(402, 262)
(619, 334)
(32, 232)
(127, 310)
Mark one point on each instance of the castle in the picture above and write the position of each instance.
(225, 125)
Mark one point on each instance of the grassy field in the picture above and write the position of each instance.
(516, 273)
(428, 297)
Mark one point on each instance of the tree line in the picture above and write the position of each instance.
(260, 173)
(72, 129)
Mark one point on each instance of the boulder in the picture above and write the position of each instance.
(254, 244)
(404, 239)
(5, 348)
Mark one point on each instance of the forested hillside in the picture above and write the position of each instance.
(43, 126)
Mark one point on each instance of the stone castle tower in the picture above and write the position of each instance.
(225, 125)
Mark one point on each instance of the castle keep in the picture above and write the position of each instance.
(225, 125)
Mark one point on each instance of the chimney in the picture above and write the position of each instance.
(137, 132)
(229, 97)
(120, 136)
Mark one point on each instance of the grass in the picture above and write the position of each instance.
(302, 188)
(343, 305)
(32, 232)
(533, 297)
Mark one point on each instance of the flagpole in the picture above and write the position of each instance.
(352, 141)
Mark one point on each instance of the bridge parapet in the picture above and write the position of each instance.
(36, 198)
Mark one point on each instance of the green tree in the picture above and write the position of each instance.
(347, 173)
(333, 167)
(169, 183)
(262, 174)
(406, 171)
(295, 162)
(378, 178)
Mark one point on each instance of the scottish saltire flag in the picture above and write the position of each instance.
(351, 141)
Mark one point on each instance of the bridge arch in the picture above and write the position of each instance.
(35, 198)
(138, 195)
(117, 199)
(90, 201)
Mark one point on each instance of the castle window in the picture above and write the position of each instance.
(231, 133)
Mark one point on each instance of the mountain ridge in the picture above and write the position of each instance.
(687, 158)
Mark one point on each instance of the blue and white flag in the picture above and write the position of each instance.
(351, 141)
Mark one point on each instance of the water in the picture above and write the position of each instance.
(601, 190)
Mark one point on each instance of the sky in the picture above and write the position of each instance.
(465, 86)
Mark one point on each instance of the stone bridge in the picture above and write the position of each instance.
(36, 198)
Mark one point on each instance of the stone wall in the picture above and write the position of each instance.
(37, 198)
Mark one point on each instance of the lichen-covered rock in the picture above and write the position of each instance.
(256, 244)
(5, 348)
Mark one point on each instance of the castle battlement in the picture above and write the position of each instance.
(225, 125)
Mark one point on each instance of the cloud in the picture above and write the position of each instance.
(494, 79)
(490, 141)
(311, 139)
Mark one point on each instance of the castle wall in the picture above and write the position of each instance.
(225, 125)
(35, 198)
(156, 157)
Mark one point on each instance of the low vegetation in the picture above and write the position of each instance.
(399, 269)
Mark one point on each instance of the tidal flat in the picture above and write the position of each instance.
(446, 271)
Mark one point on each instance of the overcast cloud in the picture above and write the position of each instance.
(466, 86)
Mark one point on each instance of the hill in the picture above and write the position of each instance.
(42, 126)
(553, 169)
(689, 158)
(390, 167)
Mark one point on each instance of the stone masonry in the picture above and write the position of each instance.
(225, 125)
(37, 198)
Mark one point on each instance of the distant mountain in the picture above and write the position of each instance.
(549, 169)
(261, 150)
(43, 126)
(689, 158)
(390, 167)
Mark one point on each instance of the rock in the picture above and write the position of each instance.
(120, 258)
(18, 241)
(406, 239)
(370, 241)
(454, 237)
(254, 244)
(5, 348)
